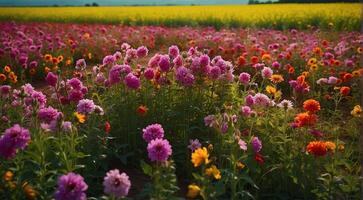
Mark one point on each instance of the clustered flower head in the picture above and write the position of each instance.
(320, 148)
(116, 184)
(13, 139)
(71, 186)
(153, 131)
(200, 156)
(159, 150)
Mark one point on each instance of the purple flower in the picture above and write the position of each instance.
(214, 72)
(178, 61)
(256, 144)
(108, 60)
(142, 51)
(244, 78)
(249, 100)
(204, 60)
(173, 51)
(5, 90)
(209, 120)
(51, 79)
(67, 126)
(153, 131)
(276, 65)
(149, 73)
(75, 95)
(266, 72)
(164, 63)
(114, 75)
(242, 144)
(14, 138)
(224, 127)
(86, 106)
(261, 99)
(316, 133)
(332, 80)
(246, 111)
(81, 63)
(132, 81)
(184, 76)
(75, 83)
(159, 150)
(48, 115)
(116, 184)
(71, 187)
(194, 144)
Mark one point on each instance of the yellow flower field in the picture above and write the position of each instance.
(338, 15)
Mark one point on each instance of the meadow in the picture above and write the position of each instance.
(278, 16)
(93, 106)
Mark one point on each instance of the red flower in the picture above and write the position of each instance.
(344, 90)
(317, 148)
(142, 110)
(259, 158)
(107, 127)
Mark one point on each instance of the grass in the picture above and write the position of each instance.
(337, 16)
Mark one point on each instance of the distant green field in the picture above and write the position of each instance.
(280, 16)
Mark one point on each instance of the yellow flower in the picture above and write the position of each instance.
(80, 117)
(240, 165)
(306, 74)
(193, 191)
(356, 73)
(29, 191)
(341, 147)
(68, 62)
(8, 176)
(313, 67)
(89, 56)
(213, 171)
(200, 156)
(312, 61)
(330, 146)
(270, 89)
(357, 111)
(276, 78)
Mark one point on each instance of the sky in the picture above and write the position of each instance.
(114, 2)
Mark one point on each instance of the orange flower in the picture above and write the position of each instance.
(32, 71)
(276, 78)
(241, 61)
(48, 57)
(254, 59)
(142, 110)
(318, 148)
(7, 69)
(46, 70)
(2, 78)
(344, 90)
(305, 119)
(60, 59)
(8, 176)
(311, 105)
(266, 57)
(312, 61)
(330, 146)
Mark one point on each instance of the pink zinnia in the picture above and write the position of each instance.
(132, 81)
(244, 78)
(116, 184)
(159, 150)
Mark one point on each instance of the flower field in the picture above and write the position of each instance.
(336, 16)
(105, 111)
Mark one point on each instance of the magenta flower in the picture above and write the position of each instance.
(244, 78)
(159, 150)
(164, 63)
(261, 99)
(153, 131)
(266, 72)
(5, 90)
(142, 52)
(214, 72)
(14, 138)
(246, 111)
(51, 79)
(184, 76)
(48, 114)
(173, 51)
(116, 184)
(86, 106)
(149, 73)
(132, 81)
(256, 144)
(204, 60)
(71, 187)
